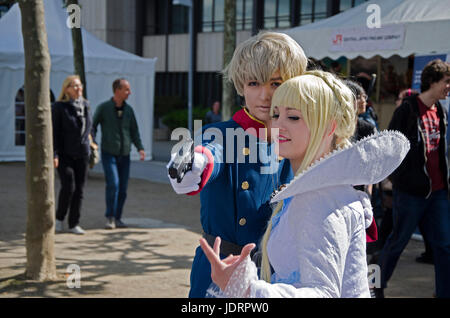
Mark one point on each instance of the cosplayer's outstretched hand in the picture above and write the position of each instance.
(221, 270)
(192, 178)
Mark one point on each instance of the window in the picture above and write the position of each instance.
(160, 25)
(213, 15)
(20, 116)
(347, 4)
(312, 11)
(276, 14)
(244, 13)
(180, 19)
(320, 10)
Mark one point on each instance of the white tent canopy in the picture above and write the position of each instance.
(103, 64)
(406, 27)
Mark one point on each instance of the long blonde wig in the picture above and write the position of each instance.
(321, 98)
(63, 97)
(261, 56)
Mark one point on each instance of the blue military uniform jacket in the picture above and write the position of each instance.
(242, 173)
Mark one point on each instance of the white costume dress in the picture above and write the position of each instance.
(317, 246)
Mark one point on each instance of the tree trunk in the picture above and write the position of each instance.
(39, 145)
(78, 55)
(229, 44)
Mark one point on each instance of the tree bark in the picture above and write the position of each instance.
(229, 44)
(78, 55)
(39, 145)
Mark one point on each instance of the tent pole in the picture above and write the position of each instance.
(379, 79)
(349, 67)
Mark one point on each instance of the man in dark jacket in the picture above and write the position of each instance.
(420, 183)
(119, 131)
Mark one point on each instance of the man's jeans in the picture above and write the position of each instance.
(408, 211)
(117, 171)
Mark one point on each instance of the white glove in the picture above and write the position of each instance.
(192, 178)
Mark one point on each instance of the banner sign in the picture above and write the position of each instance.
(368, 39)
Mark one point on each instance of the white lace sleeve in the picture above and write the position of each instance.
(239, 283)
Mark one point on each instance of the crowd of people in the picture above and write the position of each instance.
(310, 237)
(304, 229)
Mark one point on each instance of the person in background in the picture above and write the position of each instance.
(420, 184)
(386, 223)
(363, 127)
(427, 256)
(213, 115)
(72, 124)
(336, 68)
(119, 131)
(404, 93)
(365, 80)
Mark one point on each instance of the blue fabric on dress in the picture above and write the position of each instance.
(293, 278)
(276, 218)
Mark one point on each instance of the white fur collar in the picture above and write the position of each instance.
(368, 161)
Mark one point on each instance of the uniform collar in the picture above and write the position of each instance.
(246, 121)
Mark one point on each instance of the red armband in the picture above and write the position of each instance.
(372, 232)
(206, 174)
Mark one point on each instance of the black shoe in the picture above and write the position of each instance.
(377, 293)
(425, 258)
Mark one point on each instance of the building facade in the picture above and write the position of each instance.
(158, 28)
(155, 28)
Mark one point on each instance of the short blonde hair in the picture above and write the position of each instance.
(321, 97)
(63, 97)
(262, 55)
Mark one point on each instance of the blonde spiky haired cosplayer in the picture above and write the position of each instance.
(259, 57)
(321, 98)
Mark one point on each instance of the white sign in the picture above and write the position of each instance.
(367, 39)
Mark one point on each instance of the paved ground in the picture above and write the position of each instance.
(151, 258)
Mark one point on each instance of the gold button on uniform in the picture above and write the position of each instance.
(242, 221)
(245, 151)
(245, 185)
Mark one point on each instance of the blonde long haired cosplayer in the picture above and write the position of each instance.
(323, 101)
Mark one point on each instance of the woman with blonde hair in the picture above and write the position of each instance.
(71, 144)
(314, 244)
(235, 180)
